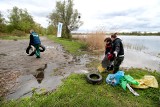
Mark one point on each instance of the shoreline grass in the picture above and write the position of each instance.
(72, 46)
(76, 91)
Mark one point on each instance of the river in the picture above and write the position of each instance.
(141, 52)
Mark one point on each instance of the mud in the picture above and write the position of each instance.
(20, 74)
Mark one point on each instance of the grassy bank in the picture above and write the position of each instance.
(72, 46)
(76, 91)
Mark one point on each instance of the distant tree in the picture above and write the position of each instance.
(65, 13)
(20, 19)
(2, 23)
(51, 30)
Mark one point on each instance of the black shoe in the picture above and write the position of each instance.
(38, 57)
(110, 68)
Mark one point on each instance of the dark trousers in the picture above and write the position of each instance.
(117, 63)
(37, 50)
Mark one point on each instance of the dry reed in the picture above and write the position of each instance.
(94, 40)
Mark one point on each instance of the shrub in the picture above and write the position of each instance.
(18, 33)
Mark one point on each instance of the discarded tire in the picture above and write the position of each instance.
(30, 50)
(94, 78)
(42, 48)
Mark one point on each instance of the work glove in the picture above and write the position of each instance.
(110, 56)
(115, 53)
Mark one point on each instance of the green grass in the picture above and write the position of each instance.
(13, 37)
(77, 92)
(72, 46)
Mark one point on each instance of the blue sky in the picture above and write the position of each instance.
(110, 15)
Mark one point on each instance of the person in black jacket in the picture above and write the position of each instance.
(118, 51)
(35, 41)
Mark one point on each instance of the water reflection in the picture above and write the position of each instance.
(39, 77)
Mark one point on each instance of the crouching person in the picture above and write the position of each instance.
(35, 41)
(107, 62)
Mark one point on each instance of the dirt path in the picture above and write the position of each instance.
(20, 73)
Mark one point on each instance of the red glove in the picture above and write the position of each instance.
(110, 56)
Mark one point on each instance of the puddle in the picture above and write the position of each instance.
(47, 78)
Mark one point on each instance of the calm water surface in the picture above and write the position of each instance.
(148, 44)
(142, 52)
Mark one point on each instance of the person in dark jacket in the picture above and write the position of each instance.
(118, 51)
(107, 60)
(35, 41)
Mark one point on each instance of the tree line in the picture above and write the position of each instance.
(140, 33)
(20, 21)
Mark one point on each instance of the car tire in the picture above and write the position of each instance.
(94, 78)
(33, 50)
(42, 48)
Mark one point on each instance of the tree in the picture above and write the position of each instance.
(20, 19)
(2, 23)
(51, 30)
(65, 13)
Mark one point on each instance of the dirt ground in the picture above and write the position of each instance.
(14, 62)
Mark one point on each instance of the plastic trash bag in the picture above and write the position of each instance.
(146, 82)
(101, 69)
(127, 79)
(123, 83)
(114, 79)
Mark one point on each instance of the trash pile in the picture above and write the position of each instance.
(127, 81)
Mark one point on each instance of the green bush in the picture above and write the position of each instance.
(18, 33)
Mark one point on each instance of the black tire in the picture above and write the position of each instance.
(33, 50)
(42, 48)
(91, 80)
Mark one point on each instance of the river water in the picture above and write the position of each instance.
(141, 52)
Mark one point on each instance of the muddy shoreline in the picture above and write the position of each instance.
(20, 74)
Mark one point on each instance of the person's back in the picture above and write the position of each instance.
(35, 41)
(118, 51)
(118, 46)
(34, 38)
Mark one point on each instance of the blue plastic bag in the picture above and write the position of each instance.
(114, 79)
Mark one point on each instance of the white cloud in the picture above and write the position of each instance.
(39, 9)
(114, 15)
(121, 15)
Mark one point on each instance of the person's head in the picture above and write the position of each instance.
(114, 36)
(31, 31)
(108, 40)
